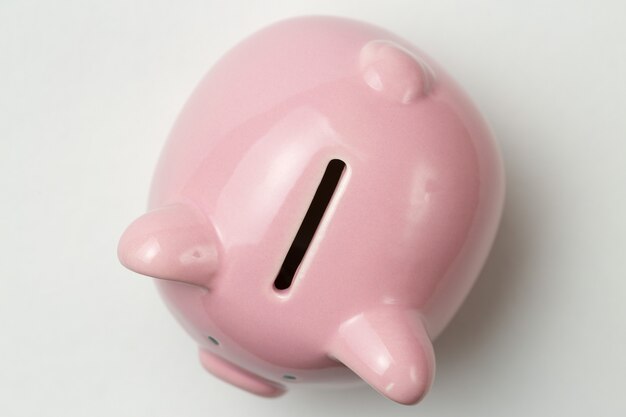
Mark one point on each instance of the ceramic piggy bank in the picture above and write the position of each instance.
(323, 205)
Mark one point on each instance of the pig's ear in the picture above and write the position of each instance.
(390, 349)
(394, 72)
(173, 243)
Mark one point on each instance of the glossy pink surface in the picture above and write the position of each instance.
(398, 248)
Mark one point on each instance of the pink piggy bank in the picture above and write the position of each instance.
(324, 203)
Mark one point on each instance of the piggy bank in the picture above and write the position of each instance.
(323, 205)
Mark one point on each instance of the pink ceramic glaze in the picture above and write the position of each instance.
(396, 236)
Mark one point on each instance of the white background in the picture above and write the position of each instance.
(88, 93)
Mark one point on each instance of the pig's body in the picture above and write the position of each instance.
(404, 236)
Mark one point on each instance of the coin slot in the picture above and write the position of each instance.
(310, 223)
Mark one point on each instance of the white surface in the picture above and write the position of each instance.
(88, 92)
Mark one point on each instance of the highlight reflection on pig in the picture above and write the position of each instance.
(324, 203)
